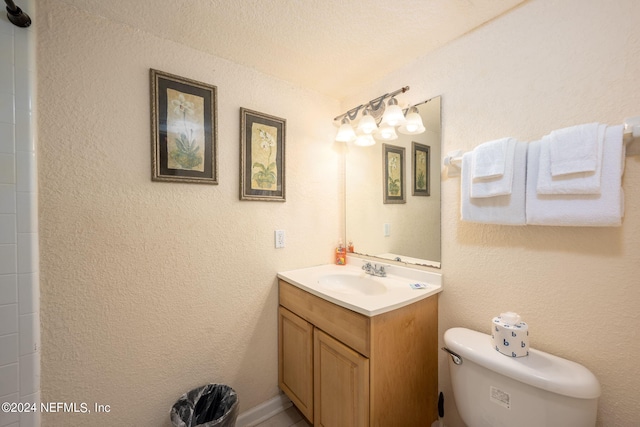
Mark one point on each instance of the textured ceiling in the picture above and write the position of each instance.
(331, 46)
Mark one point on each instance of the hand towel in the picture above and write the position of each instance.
(574, 149)
(594, 210)
(489, 159)
(507, 209)
(573, 183)
(498, 185)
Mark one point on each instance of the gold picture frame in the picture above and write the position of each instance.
(262, 156)
(184, 129)
(393, 168)
(421, 175)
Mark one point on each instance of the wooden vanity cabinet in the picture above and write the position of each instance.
(295, 360)
(344, 369)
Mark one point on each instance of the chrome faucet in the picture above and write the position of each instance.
(374, 270)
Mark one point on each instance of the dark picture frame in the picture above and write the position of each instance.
(393, 176)
(184, 129)
(262, 156)
(421, 175)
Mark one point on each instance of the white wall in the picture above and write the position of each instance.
(150, 289)
(19, 295)
(546, 65)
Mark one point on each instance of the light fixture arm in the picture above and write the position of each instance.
(406, 110)
(374, 104)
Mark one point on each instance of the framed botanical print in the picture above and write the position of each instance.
(393, 167)
(420, 159)
(184, 129)
(262, 156)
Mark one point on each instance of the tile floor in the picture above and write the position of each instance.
(289, 418)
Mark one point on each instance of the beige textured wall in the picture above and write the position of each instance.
(150, 289)
(546, 65)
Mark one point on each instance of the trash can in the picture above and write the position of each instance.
(207, 406)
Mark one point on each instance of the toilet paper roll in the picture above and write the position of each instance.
(510, 335)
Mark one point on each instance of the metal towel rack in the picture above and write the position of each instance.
(453, 160)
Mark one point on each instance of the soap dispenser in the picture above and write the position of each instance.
(341, 254)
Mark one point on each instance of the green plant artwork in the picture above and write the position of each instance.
(394, 184)
(264, 151)
(421, 170)
(185, 131)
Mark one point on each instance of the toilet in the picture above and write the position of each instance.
(538, 390)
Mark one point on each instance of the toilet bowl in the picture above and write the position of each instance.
(493, 390)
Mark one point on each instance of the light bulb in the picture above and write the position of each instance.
(345, 132)
(364, 140)
(386, 133)
(393, 115)
(367, 123)
(413, 124)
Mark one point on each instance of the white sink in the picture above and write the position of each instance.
(350, 287)
(352, 284)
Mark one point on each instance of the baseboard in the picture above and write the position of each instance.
(264, 411)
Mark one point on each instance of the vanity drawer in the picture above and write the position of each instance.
(351, 328)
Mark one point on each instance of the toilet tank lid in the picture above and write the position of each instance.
(539, 369)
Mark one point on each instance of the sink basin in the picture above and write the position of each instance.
(349, 287)
(352, 284)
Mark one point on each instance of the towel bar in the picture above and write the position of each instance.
(453, 160)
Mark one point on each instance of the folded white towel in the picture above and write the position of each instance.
(506, 209)
(498, 185)
(574, 149)
(596, 210)
(572, 183)
(489, 159)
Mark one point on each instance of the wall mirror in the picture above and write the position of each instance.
(408, 231)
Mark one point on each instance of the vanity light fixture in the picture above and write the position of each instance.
(413, 124)
(367, 124)
(379, 121)
(386, 133)
(345, 132)
(365, 140)
(393, 115)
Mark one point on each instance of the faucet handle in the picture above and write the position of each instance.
(381, 271)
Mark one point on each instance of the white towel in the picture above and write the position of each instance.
(574, 149)
(595, 210)
(573, 183)
(498, 185)
(507, 209)
(489, 159)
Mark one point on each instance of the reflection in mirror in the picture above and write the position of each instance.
(407, 232)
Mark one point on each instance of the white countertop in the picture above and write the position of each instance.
(398, 292)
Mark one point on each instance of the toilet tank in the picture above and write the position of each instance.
(494, 390)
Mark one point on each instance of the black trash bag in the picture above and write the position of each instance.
(207, 406)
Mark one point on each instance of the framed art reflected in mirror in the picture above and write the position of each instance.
(393, 166)
(420, 171)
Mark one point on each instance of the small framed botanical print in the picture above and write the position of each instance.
(420, 159)
(262, 156)
(184, 129)
(393, 167)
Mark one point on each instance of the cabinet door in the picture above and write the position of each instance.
(295, 360)
(341, 384)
